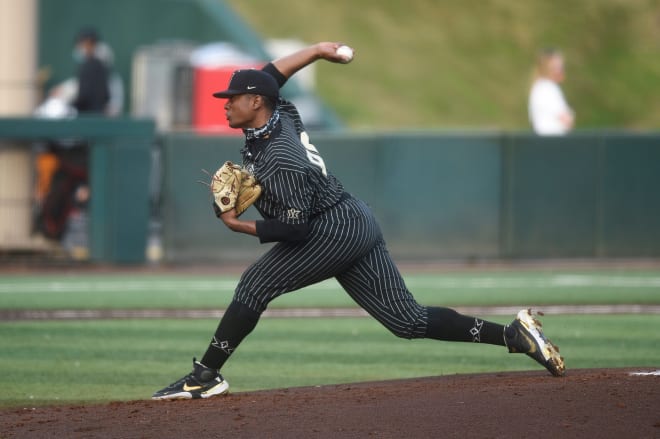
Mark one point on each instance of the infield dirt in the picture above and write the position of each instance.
(587, 403)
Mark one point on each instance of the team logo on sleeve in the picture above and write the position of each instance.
(293, 214)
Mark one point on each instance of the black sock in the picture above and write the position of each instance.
(237, 322)
(446, 324)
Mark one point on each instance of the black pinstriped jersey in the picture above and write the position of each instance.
(296, 186)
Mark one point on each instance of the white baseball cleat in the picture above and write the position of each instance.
(524, 335)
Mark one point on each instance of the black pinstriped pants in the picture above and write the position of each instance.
(345, 243)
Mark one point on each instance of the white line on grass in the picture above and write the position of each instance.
(96, 314)
(439, 282)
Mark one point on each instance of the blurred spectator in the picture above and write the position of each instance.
(548, 111)
(93, 78)
(62, 191)
(96, 88)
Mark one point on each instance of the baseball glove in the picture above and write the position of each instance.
(248, 192)
(233, 187)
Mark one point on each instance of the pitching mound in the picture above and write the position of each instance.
(610, 403)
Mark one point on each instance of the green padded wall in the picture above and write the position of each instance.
(456, 196)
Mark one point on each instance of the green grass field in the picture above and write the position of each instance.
(145, 291)
(46, 362)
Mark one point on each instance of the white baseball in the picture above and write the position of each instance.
(345, 52)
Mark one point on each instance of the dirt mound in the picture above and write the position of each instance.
(607, 403)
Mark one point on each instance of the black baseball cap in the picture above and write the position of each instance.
(87, 33)
(252, 81)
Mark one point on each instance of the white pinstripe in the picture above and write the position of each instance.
(350, 249)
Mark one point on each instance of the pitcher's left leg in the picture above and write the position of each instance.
(376, 284)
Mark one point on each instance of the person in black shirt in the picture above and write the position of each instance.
(93, 93)
(321, 231)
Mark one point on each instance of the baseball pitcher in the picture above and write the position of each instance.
(321, 231)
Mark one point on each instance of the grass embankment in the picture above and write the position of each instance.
(429, 64)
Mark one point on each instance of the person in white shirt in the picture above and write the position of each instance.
(548, 111)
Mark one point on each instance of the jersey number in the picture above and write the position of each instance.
(312, 153)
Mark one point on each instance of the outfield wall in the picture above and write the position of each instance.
(451, 195)
(460, 196)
